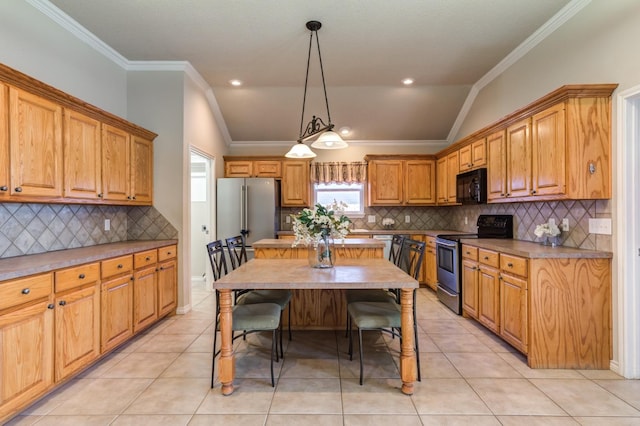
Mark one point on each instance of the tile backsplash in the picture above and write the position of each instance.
(29, 228)
(525, 217)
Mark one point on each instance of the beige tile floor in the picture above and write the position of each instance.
(469, 378)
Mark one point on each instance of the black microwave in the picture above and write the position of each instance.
(471, 187)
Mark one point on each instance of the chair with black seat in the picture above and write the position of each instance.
(238, 255)
(386, 315)
(376, 295)
(246, 318)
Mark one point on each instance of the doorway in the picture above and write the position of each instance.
(627, 321)
(202, 208)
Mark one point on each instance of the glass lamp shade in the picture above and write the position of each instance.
(329, 140)
(300, 150)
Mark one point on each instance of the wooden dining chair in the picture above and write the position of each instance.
(386, 315)
(376, 295)
(238, 255)
(247, 318)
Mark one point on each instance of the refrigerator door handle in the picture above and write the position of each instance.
(244, 211)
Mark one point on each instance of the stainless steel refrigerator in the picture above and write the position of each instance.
(248, 207)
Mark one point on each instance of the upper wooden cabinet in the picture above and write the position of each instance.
(252, 168)
(448, 169)
(83, 162)
(4, 142)
(473, 156)
(296, 188)
(519, 159)
(58, 149)
(401, 180)
(35, 145)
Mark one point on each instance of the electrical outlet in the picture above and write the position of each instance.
(600, 226)
(371, 218)
(287, 219)
(407, 219)
(565, 224)
(107, 224)
(466, 220)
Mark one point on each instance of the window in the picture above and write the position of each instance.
(351, 194)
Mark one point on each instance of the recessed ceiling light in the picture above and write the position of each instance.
(235, 82)
(345, 131)
(407, 81)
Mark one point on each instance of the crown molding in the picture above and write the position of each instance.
(71, 25)
(559, 19)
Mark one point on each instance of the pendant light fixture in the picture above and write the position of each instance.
(328, 138)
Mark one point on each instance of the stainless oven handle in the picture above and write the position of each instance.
(444, 290)
(451, 245)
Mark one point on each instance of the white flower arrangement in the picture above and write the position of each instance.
(311, 225)
(387, 221)
(547, 229)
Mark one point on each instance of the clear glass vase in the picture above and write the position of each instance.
(322, 252)
(551, 241)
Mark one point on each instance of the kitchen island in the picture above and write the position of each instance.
(319, 308)
(297, 275)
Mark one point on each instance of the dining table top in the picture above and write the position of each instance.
(297, 274)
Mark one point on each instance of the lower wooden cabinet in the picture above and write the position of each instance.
(26, 355)
(145, 294)
(430, 264)
(513, 311)
(117, 308)
(167, 284)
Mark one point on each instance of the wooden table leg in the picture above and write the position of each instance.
(408, 366)
(226, 365)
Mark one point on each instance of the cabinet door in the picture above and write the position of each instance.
(35, 145)
(519, 159)
(441, 179)
(466, 162)
(513, 311)
(295, 187)
(489, 298)
(4, 142)
(82, 147)
(77, 330)
(26, 355)
(238, 168)
(431, 272)
(420, 182)
(141, 170)
(479, 153)
(385, 182)
(117, 311)
(453, 167)
(145, 291)
(470, 287)
(167, 284)
(548, 151)
(497, 166)
(116, 164)
(267, 169)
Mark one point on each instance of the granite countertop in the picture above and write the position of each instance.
(22, 266)
(346, 242)
(533, 250)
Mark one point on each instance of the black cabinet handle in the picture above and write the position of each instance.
(147, 258)
(533, 191)
(100, 195)
(129, 197)
(81, 276)
(133, 198)
(62, 302)
(486, 258)
(18, 189)
(26, 291)
(4, 188)
(50, 306)
(120, 266)
(510, 265)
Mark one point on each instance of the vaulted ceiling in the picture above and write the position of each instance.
(368, 48)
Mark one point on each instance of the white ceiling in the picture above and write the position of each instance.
(368, 47)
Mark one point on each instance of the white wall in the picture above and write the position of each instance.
(35, 45)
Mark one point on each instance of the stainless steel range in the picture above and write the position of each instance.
(449, 261)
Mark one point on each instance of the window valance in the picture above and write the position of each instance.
(338, 172)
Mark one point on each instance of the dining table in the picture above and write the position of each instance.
(297, 274)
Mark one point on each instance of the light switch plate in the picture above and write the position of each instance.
(600, 226)
(407, 219)
(107, 224)
(371, 218)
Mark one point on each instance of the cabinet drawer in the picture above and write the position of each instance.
(469, 252)
(23, 290)
(489, 257)
(145, 258)
(513, 264)
(117, 266)
(168, 252)
(431, 242)
(77, 276)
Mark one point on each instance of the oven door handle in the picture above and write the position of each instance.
(444, 290)
(451, 245)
